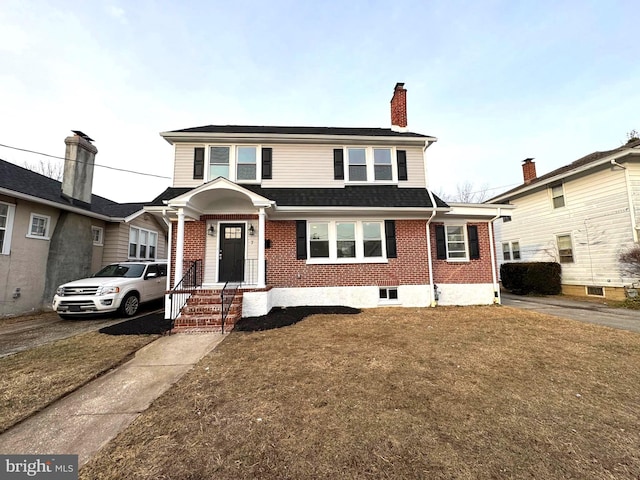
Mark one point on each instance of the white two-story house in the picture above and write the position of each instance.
(582, 215)
(321, 216)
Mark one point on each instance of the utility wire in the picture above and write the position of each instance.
(95, 164)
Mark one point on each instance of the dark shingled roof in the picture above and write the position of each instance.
(18, 179)
(586, 160)
(365, 132)
(381, 196)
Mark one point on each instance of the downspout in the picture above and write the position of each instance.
(492, 247)
(167, 304)
(634, 227)
(432, 294)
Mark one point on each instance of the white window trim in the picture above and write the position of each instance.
(389, 301)
(140, 230)
(511, 250)
(100, 241)
(233, 161)
(371, 165)
(8, 229)
(333, 243)
(551, 197)
(46, 231)
(573, 248)
(466, 242)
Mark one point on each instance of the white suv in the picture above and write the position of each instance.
(117, 287)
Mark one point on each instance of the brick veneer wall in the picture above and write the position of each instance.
(284, 270)
(472, 271)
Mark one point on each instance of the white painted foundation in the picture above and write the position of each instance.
(466, 294)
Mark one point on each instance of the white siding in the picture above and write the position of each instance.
(294, 165)
(116, 239)
(634, 180)
(596, 214)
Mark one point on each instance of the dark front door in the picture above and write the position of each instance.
(231, 253)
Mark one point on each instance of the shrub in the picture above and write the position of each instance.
(531, 277)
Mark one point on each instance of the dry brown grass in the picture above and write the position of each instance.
(481, 392)
(33, 379)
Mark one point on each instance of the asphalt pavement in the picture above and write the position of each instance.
(583, 311)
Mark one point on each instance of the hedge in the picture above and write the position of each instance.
(531, 277)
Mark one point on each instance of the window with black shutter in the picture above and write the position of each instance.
(301, 239)
(441, 243)
(198, 163)
(474, 243)
(267, 156)
(390, 234)
(402, 165)
(338, 164)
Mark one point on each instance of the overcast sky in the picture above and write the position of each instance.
(494, 81)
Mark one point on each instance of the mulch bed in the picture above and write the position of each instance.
(151, 324)
(282, 317)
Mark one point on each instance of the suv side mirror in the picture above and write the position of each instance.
(151, 275)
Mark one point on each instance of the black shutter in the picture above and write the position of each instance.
(441, 243)
(267, 154)
(338, 164)
(301, 239)
(390, 234)
(401, 157)
(474, 244)
(198, 163)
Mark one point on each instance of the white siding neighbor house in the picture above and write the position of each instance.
(582, 215)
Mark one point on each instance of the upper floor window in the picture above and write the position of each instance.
(39, 226)
(557, 196)
(142, 243)
(98, 234)
(218, 162)
(565, 248)
(370, 164)
(6, 224)
(247, 164)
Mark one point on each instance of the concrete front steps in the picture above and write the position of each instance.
(203, 313)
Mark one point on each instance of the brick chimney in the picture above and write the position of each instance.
(399, 108)
(529, 170)
(77, 180)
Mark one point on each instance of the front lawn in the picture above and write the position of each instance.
(464, 393)
(33, 379)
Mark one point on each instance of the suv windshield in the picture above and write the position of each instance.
(121, 270)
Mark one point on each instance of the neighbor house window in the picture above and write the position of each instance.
(6, 224)
(218, 162)
(247, 165)
(557, 196)
(353, 241)
(39, 226)
(142, 243)
(97, 233)
(511, 251)
(565, 249)
(456, 245)
(595, 291)
(382, 164)
(357, 164)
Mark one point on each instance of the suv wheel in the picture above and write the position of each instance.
(129, 305)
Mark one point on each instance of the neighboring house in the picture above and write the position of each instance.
(321, 216)
(52, 232)
(582, 215)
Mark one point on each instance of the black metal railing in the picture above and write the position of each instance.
(178, 296)
(226, 297)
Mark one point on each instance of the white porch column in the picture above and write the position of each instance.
(261, 269)
(179, 248)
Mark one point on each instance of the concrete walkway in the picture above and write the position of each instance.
(89, 418)
(582, 311)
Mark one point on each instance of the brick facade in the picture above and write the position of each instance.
(471, 271)
(285, 271)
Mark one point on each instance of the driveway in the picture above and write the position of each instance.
(49, 327)
(588, 312)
